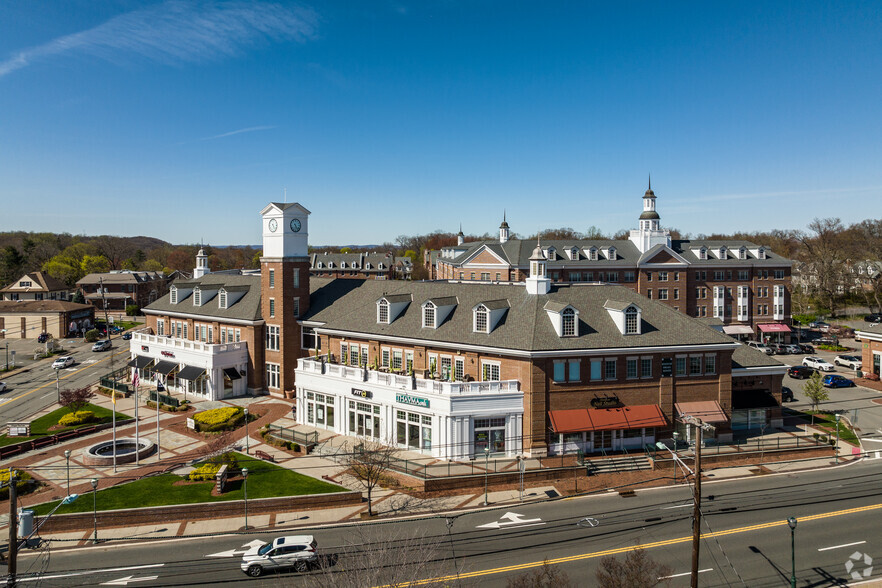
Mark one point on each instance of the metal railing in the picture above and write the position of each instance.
(286, 434)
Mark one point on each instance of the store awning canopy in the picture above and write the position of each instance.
(607, 419)
(737, 330)
(140, 362)
(709, 411)
(191, 372)
(164, 367)
(232, 373)
(774, 328)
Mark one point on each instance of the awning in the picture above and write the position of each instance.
(190, 372)
(709, 411)
(140, 362)
(164, 367)
(607, 419)
(737, 330)
(774, 328)
(232, 373)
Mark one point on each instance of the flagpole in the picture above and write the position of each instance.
(113, 401)
(158, 446)
(136, 381)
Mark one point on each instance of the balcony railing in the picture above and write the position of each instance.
(404, 382)
(168, 342)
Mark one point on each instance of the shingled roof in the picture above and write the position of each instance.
(246, 308)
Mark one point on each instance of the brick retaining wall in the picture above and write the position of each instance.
(192, 512)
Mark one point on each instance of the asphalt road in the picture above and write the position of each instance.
(33, 390)
(839, 513)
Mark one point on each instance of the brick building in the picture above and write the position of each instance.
(871, 348)
(745, 285)
(117, 289)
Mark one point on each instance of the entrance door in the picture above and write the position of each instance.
(603, 440)
(365, 427)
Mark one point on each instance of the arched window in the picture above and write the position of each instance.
(383, 312)
(568, 323)
(631, 321)
(482, 319)
(429, 315)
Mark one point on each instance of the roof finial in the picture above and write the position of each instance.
(650, 181)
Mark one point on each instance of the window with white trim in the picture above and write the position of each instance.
(680, 365)
(596, 367)
(662, 276)
(710, 364)
(296, 274)
(272, 307)
(694, 365)
(272, 337)
(482, 319)
(384, 355)
(489, 371)
(383, 312)
(160, 327)
(645, 367)
(397, 359)
(429, 315)
(568, 322)
(173, 295)
(272, 278)
(408, 361)
(272, 375)
(631, 321)
(197, 297)
(631, 368)
(609, 369)
(222, 299)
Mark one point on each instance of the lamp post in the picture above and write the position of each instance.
(3, 332)
(486, 471)
(95, 509)
(676, 436)
(246, 431)
(245, 488)
(67, 457)
(792, 522)
(57, 387)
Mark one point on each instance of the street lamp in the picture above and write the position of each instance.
(792, 522)
(246, 432)
(57, 388)
(3, 332)
(67, 457)
(676, 465)
(245, 487)
(95, 508)
(486, 471)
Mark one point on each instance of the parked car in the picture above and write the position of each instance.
(760, 347)
(806, 348)
(873, 318)
(794, 349)
(850, 361)
(800, 372)
(826, 341)
(102, 345)
(43, 337)
(836, 381)
(787, 394)
(819, 363)
(2, 386)
(297, 551)
(778, 349)
(126, 336)
(820, 325)
(63, 362)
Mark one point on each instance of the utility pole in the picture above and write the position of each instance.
(13, 529)
(700, 427)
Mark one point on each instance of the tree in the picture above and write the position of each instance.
(75, 399)
(95, 264)
(638, 569)
(151, 265)
(545, 577)
(823, 256)
(815, 392)
(368, 463)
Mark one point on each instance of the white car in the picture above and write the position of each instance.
(2, 386)
(296, 551)
(819, 363)
(102, 345)
(850, 361)
(760, 347)
(63, 362)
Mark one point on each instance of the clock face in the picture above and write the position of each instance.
(295, 225)
(273, 225)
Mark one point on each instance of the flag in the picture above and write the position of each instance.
(135, 378)
(113, 396)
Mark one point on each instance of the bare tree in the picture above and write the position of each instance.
(637, 569)
(824, 259)
(547, 576)
(75, 399)
(378, 556)
(369, 462)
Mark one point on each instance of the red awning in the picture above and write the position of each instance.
(774, 328)
(607, 419)
(709, 411)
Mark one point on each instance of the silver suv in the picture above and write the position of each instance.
(760, 347)
(297, 551)
(102, 345)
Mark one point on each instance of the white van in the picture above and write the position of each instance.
(760, 346)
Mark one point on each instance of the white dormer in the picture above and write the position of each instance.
(628, 317)
(759, 252)
(197, 296)
(320, 265)
(611, 253)
(330, 265)
(228, 296)
(591, 253)
(486, 315)
(573, 253)
(722, 252)
(436, 311)
(742, 252)
(702, 253)
(564, 318)
(342, 265)
(203, 293)
(381, 266)
(222, 301)
(173, 295)
(551, 253)
(354, 265)
(179, 292)
(390, 308)
(368, 265)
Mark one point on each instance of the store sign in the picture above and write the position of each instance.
(191, 424)
(167, 353)
(19, 429)
(362, 393)
(605, 402)
(412, 400)
(145, 348)
(667, 367)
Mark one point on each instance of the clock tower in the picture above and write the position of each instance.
(284, 292)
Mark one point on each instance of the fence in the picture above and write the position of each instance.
(164, 398)
(286, 434)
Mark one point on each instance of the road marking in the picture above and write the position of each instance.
(125, 581)
(662, 543)
(53, 383)
(838, 546)
(685, 574)
(40, 577)
(514, 520)
(240, 551)
(678, 506)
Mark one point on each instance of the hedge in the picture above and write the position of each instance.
(206, 472)
(76, 418)
(25, 483)
(219, 419)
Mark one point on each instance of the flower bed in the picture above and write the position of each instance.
(79, 417)
(219, 419)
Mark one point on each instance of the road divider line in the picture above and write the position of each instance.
(40, 578)
(840, 546)
(685, 574)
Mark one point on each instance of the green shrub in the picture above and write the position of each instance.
(205, 472)
(76, 418)
(132, 309)
(219, 419)
(228, 459)
(25, 482)
(92, 335)
(295, 446)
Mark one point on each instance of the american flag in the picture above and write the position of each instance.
(135, 377)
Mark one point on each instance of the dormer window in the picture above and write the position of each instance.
(631, 323)
(742, 253)
(330, 264)
(550, 254)
(722, 253)
(482, 322)
(383, 312)
(429, 316)
(367, 265)
(173, 295)
(197, 297)
(380, 265)
(702, 253)
(568, 323)
(222, 299)
(761, 253)
(342, 265)
(592, 254)
(574, 253)
(354, 265)
(611, 253)
(320, 265)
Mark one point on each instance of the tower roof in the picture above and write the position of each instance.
(504, 224)
(649, 214)
(537, 253)
(649, 193)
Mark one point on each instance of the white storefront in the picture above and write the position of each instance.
(447, 420)
(203, 370)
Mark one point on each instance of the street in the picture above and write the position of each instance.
(747, 539)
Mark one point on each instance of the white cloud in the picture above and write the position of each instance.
(178, 32)
(237, 132)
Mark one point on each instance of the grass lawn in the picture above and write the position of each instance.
(40, 426)
(265, 480)
(827, 421)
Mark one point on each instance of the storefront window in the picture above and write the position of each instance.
(489, 433)
(364, 419)
(413, 430)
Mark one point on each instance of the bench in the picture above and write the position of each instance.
(328, 478)
(263, 455)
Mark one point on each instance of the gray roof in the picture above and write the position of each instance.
(616, 305)
(362, 259)
(397, 297)
(495, 304)
(349, 305)
(246, 308)
(123, 277)
(748, 357)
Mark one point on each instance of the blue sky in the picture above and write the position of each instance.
(181, 120)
